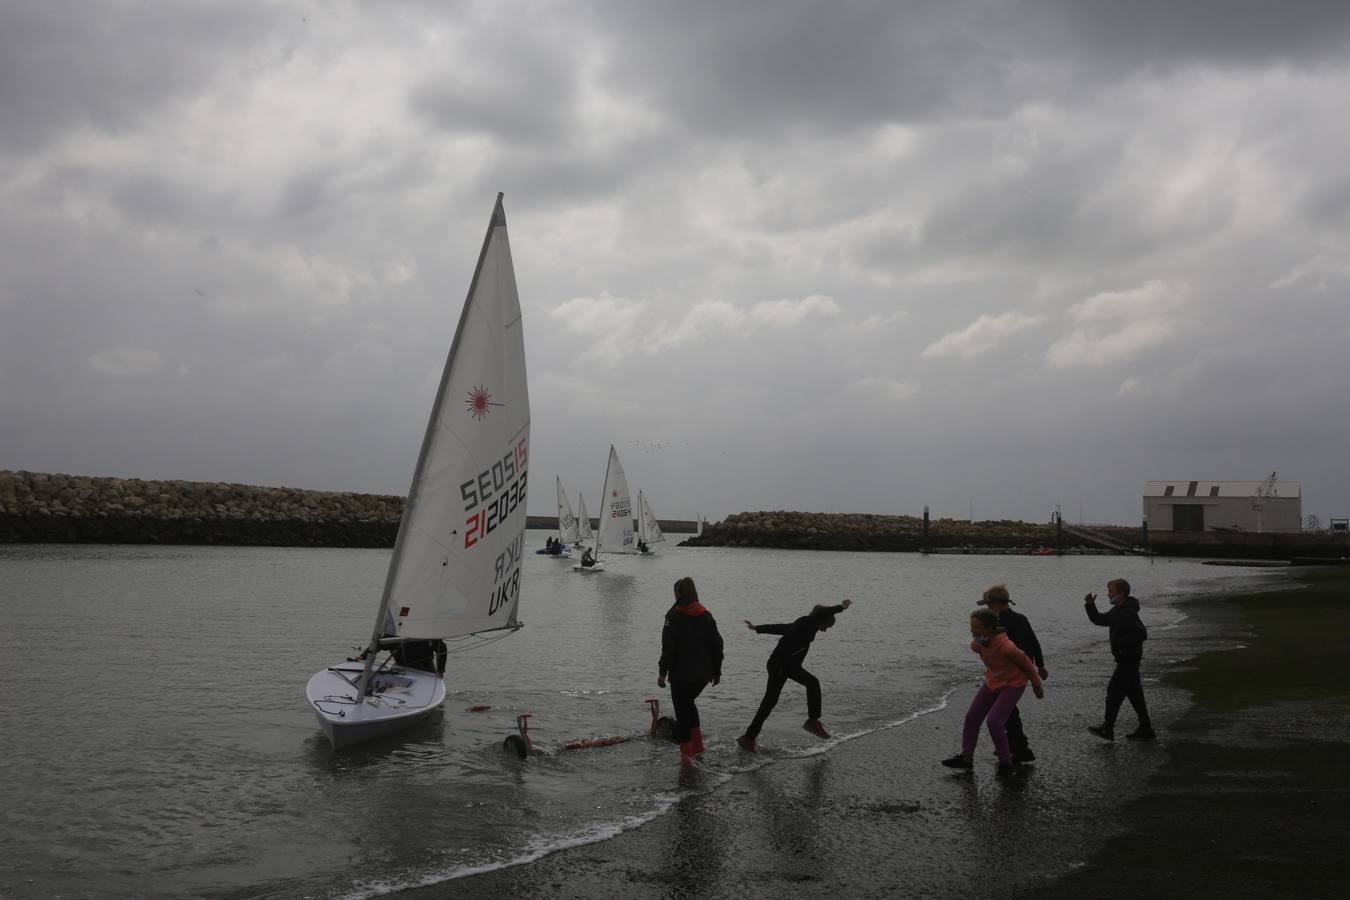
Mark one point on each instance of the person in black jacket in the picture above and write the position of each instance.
(786, 662)
(1018, 628)
(691, 656)
(1127, 646)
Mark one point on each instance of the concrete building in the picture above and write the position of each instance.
(1268, 506)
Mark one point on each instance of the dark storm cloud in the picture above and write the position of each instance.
(799, 66)
(1218, 32)
(111, 66)
(740, 68)
(517, 88)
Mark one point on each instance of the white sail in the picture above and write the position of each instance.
(567, 523)
(698, 532)
(649, 532)
(456, 566)
(584, 532)
(616, 511)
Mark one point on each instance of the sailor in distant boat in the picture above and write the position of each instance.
(786, 662)
(642, 546)
(691, 655)
(588, 558)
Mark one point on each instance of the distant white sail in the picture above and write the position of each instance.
(698, 532)
(584, 532)
(649, 532)
(616, 511)
(567, 523)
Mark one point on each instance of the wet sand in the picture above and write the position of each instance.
(876, 816)
(1244, 794)
(1254, 799)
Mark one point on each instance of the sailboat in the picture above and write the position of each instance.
(649, 532)
(584, 532)
(616, 515)
(456, 566)
(567, 526)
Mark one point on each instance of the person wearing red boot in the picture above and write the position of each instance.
(691, 656)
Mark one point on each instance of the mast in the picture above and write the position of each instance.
(372, 650)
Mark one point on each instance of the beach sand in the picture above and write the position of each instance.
(1242, 795)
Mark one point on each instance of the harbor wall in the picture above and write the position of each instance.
(37, 507)
(40, 507)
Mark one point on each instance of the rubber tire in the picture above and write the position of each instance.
(515, 746)
(665, 728)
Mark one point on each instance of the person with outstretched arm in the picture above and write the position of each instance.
(786, 662)
(1127, 633)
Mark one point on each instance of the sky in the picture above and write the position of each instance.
(993, 257)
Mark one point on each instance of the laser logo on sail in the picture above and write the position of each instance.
(478, 400)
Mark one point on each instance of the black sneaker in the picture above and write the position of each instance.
(958, 762)
(1005, 770)
(1142, 733)
(1105, 732)
(1023, 755)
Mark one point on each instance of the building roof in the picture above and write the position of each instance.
(1200, 489)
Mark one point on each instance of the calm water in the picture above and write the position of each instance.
(156, 739)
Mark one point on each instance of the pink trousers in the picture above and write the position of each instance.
(996, 706)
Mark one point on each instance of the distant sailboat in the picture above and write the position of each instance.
(649, 531)
(616, 515)
(584, 532)
(456, 565)
(698, 531)
(567, 527)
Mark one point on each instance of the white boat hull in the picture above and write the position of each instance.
(598, 567)
(401, 698)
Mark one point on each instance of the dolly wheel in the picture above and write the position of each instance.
(665, 728)
(515, 745)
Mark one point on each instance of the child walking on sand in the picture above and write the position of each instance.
(1006, 673)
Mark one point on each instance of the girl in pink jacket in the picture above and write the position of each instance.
(1006, 673)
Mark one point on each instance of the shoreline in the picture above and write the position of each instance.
(1253, 791)
(875, 816)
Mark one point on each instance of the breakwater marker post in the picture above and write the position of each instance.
(925, 528)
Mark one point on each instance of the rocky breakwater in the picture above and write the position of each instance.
(860, 531)
(37, 507)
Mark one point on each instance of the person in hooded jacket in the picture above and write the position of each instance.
(786, 662)
(1020, 633)
(1127, 634)
(1006, 673)
(691, 656)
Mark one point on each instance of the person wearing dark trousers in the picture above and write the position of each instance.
(691, 656)
(1127, 634)
(1007, 673)
(1019, 631)
(786, 663)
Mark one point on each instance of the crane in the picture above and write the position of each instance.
(1263, 490)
